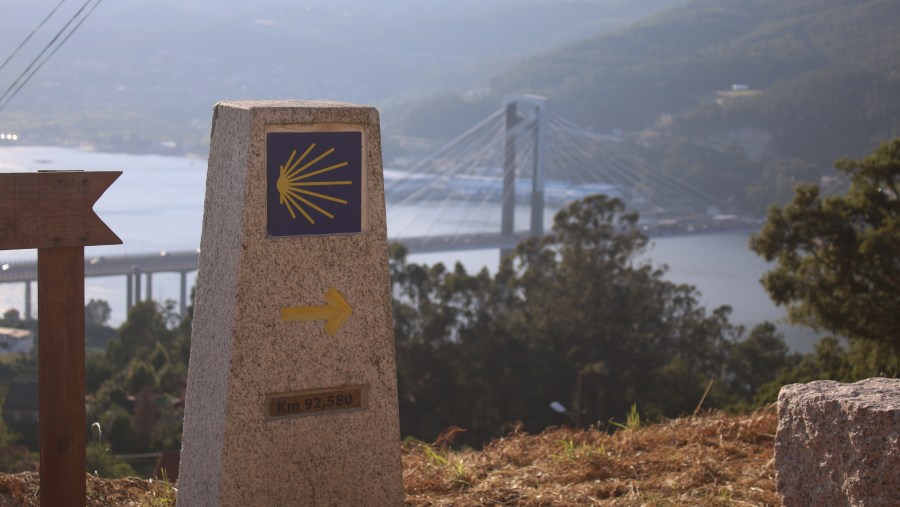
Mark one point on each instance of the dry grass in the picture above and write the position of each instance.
(21, 490)
(715, 459)
(711, 460)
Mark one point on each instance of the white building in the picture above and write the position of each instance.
(15, 340)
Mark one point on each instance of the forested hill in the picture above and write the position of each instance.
(829, 72)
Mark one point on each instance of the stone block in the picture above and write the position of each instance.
(839, 444)
(292, 390)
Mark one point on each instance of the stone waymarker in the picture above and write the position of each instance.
(839, 444)
(52, 211)
(292, 390)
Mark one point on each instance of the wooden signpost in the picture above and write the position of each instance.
(51, 211)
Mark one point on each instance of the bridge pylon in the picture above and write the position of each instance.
(530, 109)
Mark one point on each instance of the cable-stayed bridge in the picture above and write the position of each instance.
(490, 188)
(505, 177)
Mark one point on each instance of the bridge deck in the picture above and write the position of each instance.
(112, 265)
(186, 261)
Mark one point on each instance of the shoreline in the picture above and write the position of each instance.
(106, 150)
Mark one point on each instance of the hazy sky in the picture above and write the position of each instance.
(349, 49)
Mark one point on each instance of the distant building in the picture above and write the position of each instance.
(15, 340)
(739, 87)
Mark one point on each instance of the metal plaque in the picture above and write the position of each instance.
(316, 402)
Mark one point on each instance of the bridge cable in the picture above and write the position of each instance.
(665, 180)
(436, 189)
(473, 167)
(443, 172)
(473, 132)
(483, 152)
(523, 150)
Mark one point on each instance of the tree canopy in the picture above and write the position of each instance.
(574, 318)
(838, 257)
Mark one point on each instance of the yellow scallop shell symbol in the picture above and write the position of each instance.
(291, 184)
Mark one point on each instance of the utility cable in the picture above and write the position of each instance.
(6, 95)
(30, 35)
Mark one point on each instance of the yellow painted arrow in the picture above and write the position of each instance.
(336, 312)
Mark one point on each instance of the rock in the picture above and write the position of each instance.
(839, 444)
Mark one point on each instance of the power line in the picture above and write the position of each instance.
(16, 87)
(30, 35)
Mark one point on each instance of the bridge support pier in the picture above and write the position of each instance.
(540, 164)
(183, 294)
(129, 292)
(149, 287)
(507, 221)
(541, 124)
(28, 300)
(137, 285)
(133, 289)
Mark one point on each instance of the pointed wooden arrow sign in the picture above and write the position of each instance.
(51, 211)
(335, 313)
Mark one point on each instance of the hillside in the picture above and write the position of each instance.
(710, 460)
(821, 77)
(671, 62)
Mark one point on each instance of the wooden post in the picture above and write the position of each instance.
(51, 211)
(61, 375)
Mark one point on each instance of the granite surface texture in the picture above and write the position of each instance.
(242, 351)
(839, 444)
